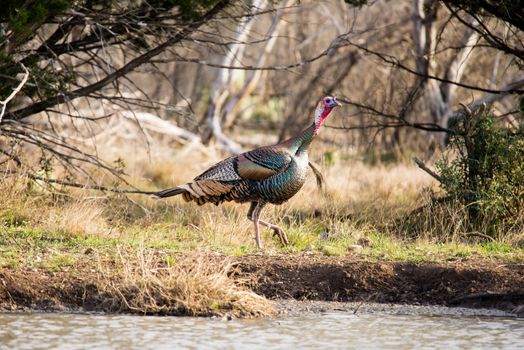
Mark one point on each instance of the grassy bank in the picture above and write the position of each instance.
(152, 256)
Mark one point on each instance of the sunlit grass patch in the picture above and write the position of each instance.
(79, 217)
(302, 238)
(58, 261)
(191, 284)
(496, 247)
(10, 257)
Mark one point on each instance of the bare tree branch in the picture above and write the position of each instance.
(423, 166)
(399, 120)
(395, 62)
(90, 187)
(130, 66)
(15, 91)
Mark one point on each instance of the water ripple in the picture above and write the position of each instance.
(326, 331)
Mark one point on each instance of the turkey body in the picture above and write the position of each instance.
(252, 176)
(269, 174)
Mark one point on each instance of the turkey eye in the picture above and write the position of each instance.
(328, 100)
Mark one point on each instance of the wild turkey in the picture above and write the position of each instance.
(269, 174)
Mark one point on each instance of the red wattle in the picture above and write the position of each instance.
(323, 117)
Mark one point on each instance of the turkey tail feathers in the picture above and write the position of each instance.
(201, 191)
(170, 192)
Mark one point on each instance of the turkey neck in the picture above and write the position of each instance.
(298, 144)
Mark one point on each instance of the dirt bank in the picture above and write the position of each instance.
(471, 283)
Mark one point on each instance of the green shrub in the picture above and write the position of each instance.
(484, 170)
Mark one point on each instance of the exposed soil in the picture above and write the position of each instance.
(472, 283)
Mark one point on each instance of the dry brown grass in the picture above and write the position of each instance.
(193, 284)
(27, 202)
(358, 200)
(82, 216)
(446, 220)
(132, 278)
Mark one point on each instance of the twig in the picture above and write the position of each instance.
(400, 120)
(90, 187)
(423, 166)
(358, 307)
(15, 91)
(467, 110)
(479, 234)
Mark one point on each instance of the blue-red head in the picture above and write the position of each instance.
(324, 107)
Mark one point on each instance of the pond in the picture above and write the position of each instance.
(329, 330)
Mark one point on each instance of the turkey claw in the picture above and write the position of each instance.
(281, 234)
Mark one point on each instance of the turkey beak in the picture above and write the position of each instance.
(338, 104)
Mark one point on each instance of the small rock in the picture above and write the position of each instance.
(365, 242)
(227, 317)
(89, 251)
(58, 308)
(355, 248)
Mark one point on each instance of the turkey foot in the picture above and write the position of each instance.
(277, 231)
(254, 215)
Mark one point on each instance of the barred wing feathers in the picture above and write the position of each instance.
(262, 163)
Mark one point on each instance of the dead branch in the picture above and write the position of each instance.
(491, 98)
(423, 166)
(482, 29)
(286, 67)
(154, 123)
(399, 120)
(479, 234)
(15, 91)
(90, 187)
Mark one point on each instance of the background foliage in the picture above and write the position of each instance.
(487, 173)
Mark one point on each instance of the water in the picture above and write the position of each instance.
(330, 330)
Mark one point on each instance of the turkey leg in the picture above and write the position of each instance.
(253, 214)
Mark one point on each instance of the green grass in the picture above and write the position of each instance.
(59, 261)
(26, 247)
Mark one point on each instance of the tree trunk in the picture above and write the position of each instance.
(222, 88)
